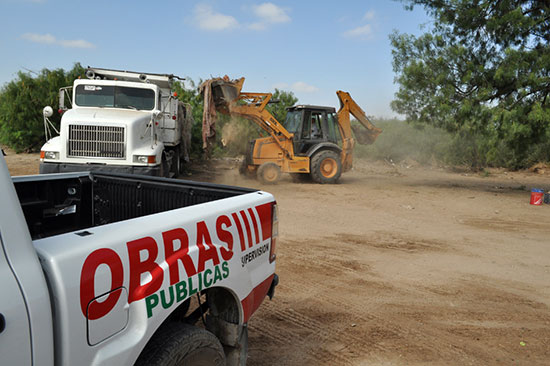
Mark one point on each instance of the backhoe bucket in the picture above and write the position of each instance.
(364, 136)
(225, 92)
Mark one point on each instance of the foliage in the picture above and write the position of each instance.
(424, 144)
(21, 104)
(401, 141)
(483, 71)
(193, 98)
(283, 100)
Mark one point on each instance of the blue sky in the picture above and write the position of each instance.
(312, 48)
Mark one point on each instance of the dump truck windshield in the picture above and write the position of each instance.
(114, 97)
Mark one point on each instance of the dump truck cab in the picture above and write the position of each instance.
(119, 121)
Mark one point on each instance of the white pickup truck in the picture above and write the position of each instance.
(115, 269)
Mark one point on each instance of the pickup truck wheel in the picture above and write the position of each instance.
(179, 344)
(269, 173)
(326, 167)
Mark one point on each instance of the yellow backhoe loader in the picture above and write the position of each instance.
(314, 141)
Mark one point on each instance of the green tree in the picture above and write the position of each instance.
(192, 96)
(21, 104)
(482, 69)
(283, 99)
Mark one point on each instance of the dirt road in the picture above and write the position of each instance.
(405, 266)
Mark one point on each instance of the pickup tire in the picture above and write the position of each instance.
(180, 344)
(326, 167)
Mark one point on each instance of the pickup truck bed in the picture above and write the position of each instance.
(61, 203)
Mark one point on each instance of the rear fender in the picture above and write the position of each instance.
(323, 146)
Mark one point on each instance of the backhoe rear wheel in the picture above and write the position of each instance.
(326, 167)
(269, 173)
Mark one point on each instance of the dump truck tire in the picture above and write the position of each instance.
(269, 173)
(326, 167)
(177, 344)
(164, 171)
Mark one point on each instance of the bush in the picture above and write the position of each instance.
(400, 140)
(21, 104)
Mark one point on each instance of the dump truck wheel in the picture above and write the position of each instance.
(178, 344)
(326, 167)
(269, 173)
(164, 171)
(177, 163)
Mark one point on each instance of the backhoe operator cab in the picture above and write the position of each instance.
(312, 125)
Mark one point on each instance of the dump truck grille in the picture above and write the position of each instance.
(96, 141)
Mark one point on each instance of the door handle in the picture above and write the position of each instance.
(2, 323)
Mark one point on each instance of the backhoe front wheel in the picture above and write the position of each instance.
(269, 173)
(326, 167)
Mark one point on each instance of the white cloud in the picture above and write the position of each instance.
(268, 13)
(302, 87)
(75, 43)
(207, 19)
(280, 86)
(361, 31)
(50, 39)
(297, 87)
(369, 15)
(271, 13)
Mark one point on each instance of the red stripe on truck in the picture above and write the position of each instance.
(255, 225)
(240, 230)
(255, 298)
(264, 211)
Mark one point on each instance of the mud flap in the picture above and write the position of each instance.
(233, 337)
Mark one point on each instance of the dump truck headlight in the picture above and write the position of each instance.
(145, 159)
(49, 155)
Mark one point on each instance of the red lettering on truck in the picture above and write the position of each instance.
(181, 254)
(96, 310)
(139, 267)
(143, 257)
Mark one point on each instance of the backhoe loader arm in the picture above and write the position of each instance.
(367, 136)
(253, 107)
(229, 99)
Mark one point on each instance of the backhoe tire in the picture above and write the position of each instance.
(326, 167)
(269, 173)
(300, 177)
(179, 344)
(244, 171)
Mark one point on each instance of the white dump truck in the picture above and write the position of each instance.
(118, 269)
(119, 121)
